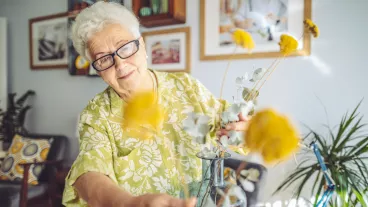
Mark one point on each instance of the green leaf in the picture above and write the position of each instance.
(348, 137)
(361, 151)
(23, 98)
(321, 142)
(316, 181)
(360, 198)
(363, 175)
(299, 172)
(344, 124)
(290, 179)
(360, 145)
(301, 185)
(319, 192)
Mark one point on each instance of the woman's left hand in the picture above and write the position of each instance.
(240, 125)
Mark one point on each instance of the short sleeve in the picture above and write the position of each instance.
(95, 153)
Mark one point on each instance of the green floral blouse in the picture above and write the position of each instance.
(142, 166)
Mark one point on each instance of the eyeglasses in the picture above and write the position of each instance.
(107, 61)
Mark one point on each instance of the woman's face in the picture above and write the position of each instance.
(126, 74)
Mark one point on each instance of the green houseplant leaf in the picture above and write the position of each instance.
(345, 155)
(12, 120)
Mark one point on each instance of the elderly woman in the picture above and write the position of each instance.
(112, 168)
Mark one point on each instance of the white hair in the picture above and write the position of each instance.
(95, 18)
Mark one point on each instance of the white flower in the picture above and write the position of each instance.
(242, 81)
(224, 140)
(196, 125)
(245, 107)
(258, 74)
(207, 151)
(225, 118)
(232, 114)
(235, 137)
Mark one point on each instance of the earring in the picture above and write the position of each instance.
(146, 56)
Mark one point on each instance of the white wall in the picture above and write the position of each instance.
(59, 96)
(3, 65)
(336, 72)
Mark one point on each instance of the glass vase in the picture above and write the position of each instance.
(213, 181)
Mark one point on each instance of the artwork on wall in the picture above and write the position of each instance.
(77, 65)
(265, 20)
(156, 13)
(48, 41)
(75, 6)
(168, 50)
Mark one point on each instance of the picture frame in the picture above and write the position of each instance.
(76, 6)
(168, 50)
(48, 42)
(265, 22)
(77, 65)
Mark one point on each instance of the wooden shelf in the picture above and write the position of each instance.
(176, 14)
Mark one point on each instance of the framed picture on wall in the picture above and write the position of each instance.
(48, 41)
(168, 50)
(77, 65)
(76, 6)
(265, 20)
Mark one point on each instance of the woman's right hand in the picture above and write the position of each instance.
(162, 200)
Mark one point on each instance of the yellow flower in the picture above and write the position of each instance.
(271, 135)
(288, 44)
(143, 116)
(243, 39)
(312, 28)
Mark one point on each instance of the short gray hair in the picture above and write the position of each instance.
(95, 17)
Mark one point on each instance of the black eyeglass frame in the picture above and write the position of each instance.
(136, 41)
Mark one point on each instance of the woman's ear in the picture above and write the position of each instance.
(141, 40)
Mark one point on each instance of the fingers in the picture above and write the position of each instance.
(243, 118)
(191, 202)
(241, 125)
(237, 126)
(176, 202)
(222, 132)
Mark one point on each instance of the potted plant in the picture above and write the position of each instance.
(12, 119)
(344, 152)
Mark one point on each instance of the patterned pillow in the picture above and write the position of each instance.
(25, 150)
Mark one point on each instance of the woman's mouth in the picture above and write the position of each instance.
(127, 75)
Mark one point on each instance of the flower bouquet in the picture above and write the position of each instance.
(269, 136)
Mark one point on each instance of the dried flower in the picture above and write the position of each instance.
(143, 116)
(312, 28)
(272, 135)
(243, 39)
(258, 74)
(288, 44)
(242, 81)
(197, 126)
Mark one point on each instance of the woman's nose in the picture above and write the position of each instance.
(119, 63)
